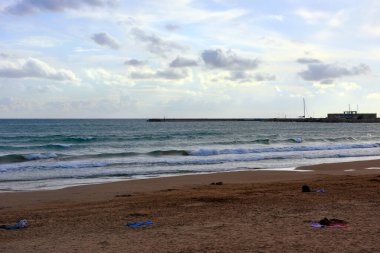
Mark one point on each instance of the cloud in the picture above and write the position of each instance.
(260, 77)
(34, 68)
(227, 60)
(4, 55)
(307, 60)
(170, 74)
(26, 7)
(242, 76)
(134, 62)
(314, 17)
(171, 27)
(373, 29)
(5, 102)
(155, 44)
(106, 77)
(326, 73)
(374, 96)
(279, 18)
(104, 39)
(180, 62)
(350, 86)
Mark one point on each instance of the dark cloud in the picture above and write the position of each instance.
(227, 60)
(242, 76)
(155, 44)
(327, 81)
(4, 55)
(170, 74)
(6, 102)
(171, 27)
(326, 73)
(34, 68)
(260, 77)
(308, 60)
(25, 7)
(134, 62)
(105, 39)
(239, 76)
(180, 62)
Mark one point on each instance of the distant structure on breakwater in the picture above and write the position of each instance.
(345, 117)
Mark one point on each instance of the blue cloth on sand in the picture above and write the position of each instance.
(18, 225)
(139, 224)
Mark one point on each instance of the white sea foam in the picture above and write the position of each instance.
(38, 156)
(210, 152)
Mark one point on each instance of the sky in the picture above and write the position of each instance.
(188, 58)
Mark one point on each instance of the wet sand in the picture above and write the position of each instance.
(251, 211)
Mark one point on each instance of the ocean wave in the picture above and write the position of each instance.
(47, 146)
(79, 138)
(130, 174)
(149, 166)
(212, 152)
(16, 158)
(155, 153)
(169, 153)
(39, 156)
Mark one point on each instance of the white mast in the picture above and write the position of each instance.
(304, 108)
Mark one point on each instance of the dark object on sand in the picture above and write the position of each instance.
(329, 223)
(306, 188)
(217, 183)
(139, 224)
(325, 222)
(21, 224)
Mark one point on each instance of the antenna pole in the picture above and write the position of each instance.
(304, 108)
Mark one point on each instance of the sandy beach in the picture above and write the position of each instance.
(251, 211)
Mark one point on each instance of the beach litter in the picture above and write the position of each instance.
(216, 183)
(20, 224)
(139, 224)
(306, 188)
(329, 223)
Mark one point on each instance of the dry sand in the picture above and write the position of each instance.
(254, 211)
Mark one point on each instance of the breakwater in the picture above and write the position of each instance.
(322, 120)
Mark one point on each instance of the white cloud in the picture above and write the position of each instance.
(331, 19)
(350, 86)
(106, 77)
(34, 68)
(373, 30)
(312, 16)
(39, 41)
(174, 74)
(242, 76)
(374, 96)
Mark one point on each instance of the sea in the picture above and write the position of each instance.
(43, 154)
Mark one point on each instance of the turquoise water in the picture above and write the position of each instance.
(48, 154)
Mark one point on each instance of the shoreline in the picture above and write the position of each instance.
(250, 211)
(101, 191)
